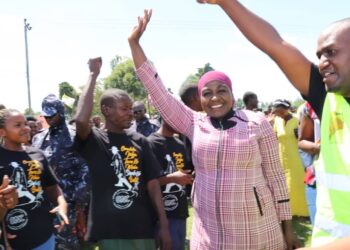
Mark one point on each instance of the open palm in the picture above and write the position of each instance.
(138, 30)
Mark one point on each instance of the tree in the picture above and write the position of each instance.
(69, 96)
(115, 61)
(124, 77)
(239, 104)
(96, 110)
(201, 71)
(265, 105)
(98, 92)
(194, 78)
(297, 102)
(66, 89)
(29, 111)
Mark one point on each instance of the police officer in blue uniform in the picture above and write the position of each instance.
(71, 170)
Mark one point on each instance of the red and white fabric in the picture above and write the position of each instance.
(229, 165)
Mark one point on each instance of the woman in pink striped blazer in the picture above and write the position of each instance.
(239, 196)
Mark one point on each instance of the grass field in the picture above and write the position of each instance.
(301, 225)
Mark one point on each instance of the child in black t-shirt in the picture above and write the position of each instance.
(175, 175)
(29, 224)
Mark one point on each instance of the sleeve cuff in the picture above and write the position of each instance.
(283, 210)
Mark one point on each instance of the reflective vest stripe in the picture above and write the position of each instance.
(334, 181)
(334, 229)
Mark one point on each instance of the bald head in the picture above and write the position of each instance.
(336, 28)
(334, 57)
(110, 96)
(343, 22)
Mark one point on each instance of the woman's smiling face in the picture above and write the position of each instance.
(216, 99)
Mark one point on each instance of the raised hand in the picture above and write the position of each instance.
(141, 26)
(95, 65)
(8, 194)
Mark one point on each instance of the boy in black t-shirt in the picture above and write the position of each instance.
(171, 154)
(123, 170)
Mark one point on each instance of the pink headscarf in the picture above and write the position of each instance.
(213, 76)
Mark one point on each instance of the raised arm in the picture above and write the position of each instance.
(264, 36)
(137, 52)
(174, 112)
(86, 100)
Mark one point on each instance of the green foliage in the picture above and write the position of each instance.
(302, 229)
(96, 110)
(201, 71)
(191, 79)
(239, 104)
(98, 92)
(29, 111)
(296, 103)
(115, 61)
(66, 89)
(264, 105)
(124, 77)
(194, 78)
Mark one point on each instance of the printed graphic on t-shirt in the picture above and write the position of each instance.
(17, 219)
(30, 192)
(172, 190)
(28, 184)
(127, 176)
(336, 127)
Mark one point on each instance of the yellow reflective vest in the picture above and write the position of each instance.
(333, 173)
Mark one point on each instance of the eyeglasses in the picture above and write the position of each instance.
(137, 111)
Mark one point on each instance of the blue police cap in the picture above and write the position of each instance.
(51, 105)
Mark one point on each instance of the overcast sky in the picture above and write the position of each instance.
(181, 37)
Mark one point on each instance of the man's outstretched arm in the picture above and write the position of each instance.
(264, 36)
(86, 100)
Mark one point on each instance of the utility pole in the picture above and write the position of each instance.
(26, 28)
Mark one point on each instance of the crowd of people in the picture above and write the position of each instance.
(125, 180)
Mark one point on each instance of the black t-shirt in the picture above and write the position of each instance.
(120, 166)
(171, 154)
(317, 91)
(30, 220)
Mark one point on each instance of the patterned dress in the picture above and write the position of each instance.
(239, 194)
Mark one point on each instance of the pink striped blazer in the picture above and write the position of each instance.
(239, 194)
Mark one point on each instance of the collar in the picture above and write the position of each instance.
(142, 121)
(225, 122)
